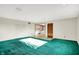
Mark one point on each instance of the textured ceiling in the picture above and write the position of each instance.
(38, 12)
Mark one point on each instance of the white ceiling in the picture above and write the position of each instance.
(38, 12)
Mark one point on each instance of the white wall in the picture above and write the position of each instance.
(65, 29)
(78, 29)
(62, 29)
(13, 29)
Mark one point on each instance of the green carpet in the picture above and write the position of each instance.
(54, 47)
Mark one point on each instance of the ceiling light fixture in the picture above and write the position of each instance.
(19, 9)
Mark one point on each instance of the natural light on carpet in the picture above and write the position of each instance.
(33, 42)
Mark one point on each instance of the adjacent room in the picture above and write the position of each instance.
(39, 29)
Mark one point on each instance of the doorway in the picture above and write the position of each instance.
(50, 30)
